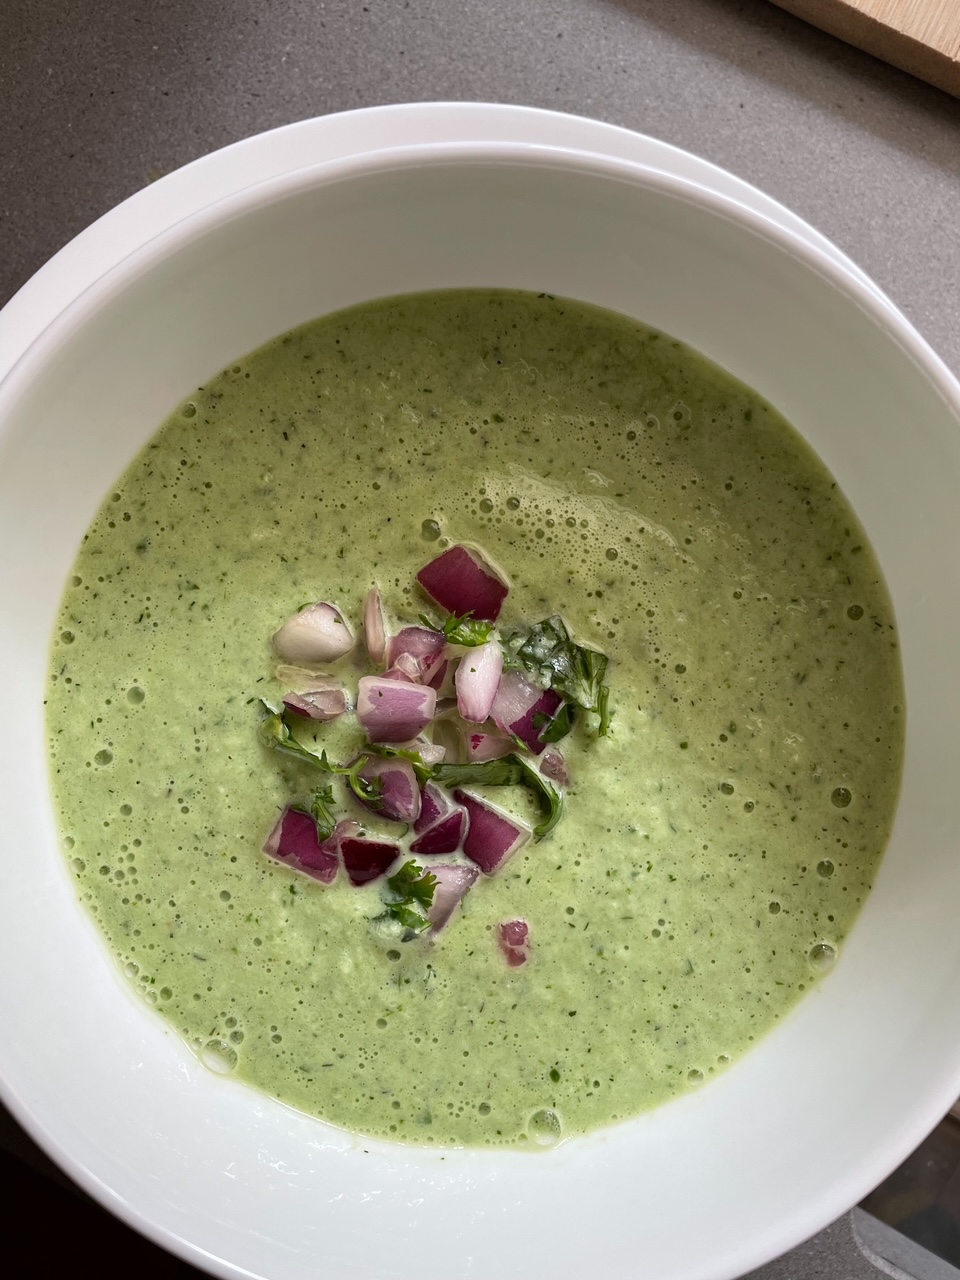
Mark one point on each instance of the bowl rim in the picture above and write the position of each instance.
(279, 151)
(835, 270)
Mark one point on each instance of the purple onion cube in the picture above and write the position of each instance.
(399, 798)
(295, 841)
(514, 939)
(530, 725)
(434, 804)
(366, 859)
(492, 835)
(462, 580)
(445, 836)
(421, 644)
(391, 711)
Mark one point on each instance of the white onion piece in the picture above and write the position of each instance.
(477, 681)
(318, 633)
(374, 627)
(300, 679)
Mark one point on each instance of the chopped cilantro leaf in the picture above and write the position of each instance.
(275, 733)
(463, 629)
(367, 790)
(406, 916)
(412, 884)
(551, 654)
(556, 729)
(408, 895)
(423, 770)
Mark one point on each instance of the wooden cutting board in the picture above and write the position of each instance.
(921, 36)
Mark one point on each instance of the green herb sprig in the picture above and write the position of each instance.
(276, 734)
(320, 808)
(510, 771)
(462, 629)
(409, 895)
(550, 653)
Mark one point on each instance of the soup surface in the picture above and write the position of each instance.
(716, 845)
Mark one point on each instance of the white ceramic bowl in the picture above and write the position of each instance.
(708, 1186)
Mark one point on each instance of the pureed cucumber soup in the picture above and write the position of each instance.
(716, 844)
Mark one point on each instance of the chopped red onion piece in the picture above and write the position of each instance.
(477, 680)
(429, 752)
(515, 933)
(406, 668)
(344, 828)
(365, 859)
(529, 727)
(492, 835)
(317, 634)
(295, 841)
(399, 798)
(514, 939)
(420, 643)
(519, 702)
(445, 836)
(434, 804)
(317, 704)
(487, 746)
(391, 711)
(453, 881)
(516, 694)
(554, 766)
(462, 580)
(441, 678)
(374, 627)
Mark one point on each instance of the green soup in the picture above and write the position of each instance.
(717, 845)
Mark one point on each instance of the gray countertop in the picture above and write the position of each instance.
(99, 97)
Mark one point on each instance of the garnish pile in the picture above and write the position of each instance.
(454, 705)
